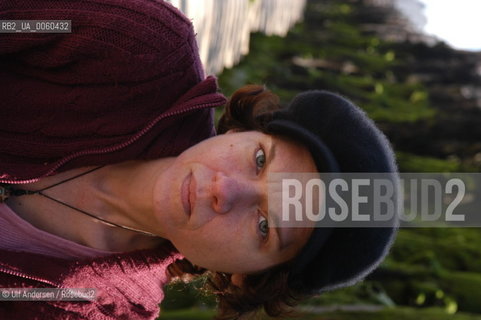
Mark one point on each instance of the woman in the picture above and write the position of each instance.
(109, 179)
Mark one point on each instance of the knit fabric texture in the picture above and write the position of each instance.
(126, 84)
(128, 286)
(107, 82)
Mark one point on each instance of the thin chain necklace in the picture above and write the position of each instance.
(9, 191)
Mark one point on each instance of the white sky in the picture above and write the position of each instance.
(458, 22)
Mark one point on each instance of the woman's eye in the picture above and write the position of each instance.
(260, 159)
(263, 226)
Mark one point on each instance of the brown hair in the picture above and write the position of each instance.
(249, 108)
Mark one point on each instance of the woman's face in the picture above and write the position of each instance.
(212, 202)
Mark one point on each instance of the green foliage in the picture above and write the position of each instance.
(435, 267)
(440, 248)
(364, 293)
(188, 314)
(413, 163)
(181, 295)
(465, 288)
(334, 56)
(399, 314)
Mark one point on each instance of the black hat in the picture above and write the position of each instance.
(341, 138)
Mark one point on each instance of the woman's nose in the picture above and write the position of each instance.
(229, 192)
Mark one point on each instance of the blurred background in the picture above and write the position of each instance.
(415, 68)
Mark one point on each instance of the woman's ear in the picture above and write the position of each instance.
(237, 279)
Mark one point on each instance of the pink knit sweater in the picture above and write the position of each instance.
(126, 84)
(128, 286)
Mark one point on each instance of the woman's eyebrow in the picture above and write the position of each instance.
(280, 244)
(271, 154)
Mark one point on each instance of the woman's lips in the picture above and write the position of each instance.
(192, 192)
(186, 194)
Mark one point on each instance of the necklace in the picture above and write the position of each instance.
(7, 191)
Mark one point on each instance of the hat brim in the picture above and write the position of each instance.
(325, 163)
